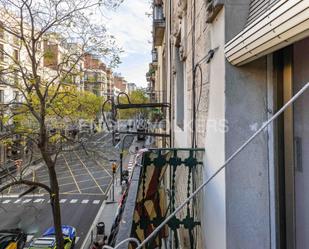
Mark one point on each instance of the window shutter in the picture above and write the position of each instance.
(258, 8)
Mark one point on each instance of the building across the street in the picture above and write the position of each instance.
(58, 55)
(120, 84)
(131, 87)
(95, 76)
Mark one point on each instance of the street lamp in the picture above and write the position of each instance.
(114, 168)
(121, 154)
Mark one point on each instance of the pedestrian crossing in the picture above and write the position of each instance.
(39, 200)
(131, 164)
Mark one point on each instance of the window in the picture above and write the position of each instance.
(15, 55)
(1, 96)
(39, 45)
(15, 77)
(16, 96)
(1, 52)
(1, 76)
(179, 90)
(1, 127)
(1, 31)
(158, 14)
(16, 40)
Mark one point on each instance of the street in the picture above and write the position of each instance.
(84, 180)
(33, 214)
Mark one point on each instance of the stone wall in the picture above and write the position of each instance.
(185, 24)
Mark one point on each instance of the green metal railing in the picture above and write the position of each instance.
(168, 176)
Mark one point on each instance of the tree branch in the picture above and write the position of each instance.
(28, 183)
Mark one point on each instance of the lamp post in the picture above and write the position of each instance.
(114, 168)
(121, 154)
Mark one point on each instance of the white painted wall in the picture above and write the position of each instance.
(214, 212)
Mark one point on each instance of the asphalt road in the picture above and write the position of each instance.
(33, 214)
(84, 178)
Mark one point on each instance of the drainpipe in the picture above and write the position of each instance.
(171, 144)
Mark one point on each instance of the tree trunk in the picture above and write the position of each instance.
(54, 186)
(54, 200)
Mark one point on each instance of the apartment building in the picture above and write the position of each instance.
(95, 75)
(120, 85)
(110, 82)
(226, 67)
(10, 53)
(62, 57)
(131, 87)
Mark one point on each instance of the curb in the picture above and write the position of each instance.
(87, 240)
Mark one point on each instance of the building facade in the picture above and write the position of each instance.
(120, 85)
(57, 59)
(226, 67)
(131, 87)
(95, 76)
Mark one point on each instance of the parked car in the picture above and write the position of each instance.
(12, 239)
(130, 124)
(141, 127)
(48, 239)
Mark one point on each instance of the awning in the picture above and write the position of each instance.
(284, 23)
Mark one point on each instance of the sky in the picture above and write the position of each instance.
(132, 29)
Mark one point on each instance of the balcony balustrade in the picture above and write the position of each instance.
(163, 179)
(158, 24)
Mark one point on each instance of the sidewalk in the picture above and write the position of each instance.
(106, 214)
(109, 209)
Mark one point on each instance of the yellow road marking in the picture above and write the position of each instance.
(103, 168)
(82, 194)
(88, 188)
(90, 173)
(65, 184)
(71, 174)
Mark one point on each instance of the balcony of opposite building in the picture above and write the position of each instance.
(158, 23)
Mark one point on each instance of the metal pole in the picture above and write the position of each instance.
(113, 197)
(113, 119)
(121, 155)
(121, 170)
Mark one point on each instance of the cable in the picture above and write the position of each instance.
(122, 242)
(241, 148)
(123, 93)
(103, 114)
(225, 164)
(193, 139)
(195, 108)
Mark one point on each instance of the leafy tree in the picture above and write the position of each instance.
(68, 108)
(51, 38)
(136, 97)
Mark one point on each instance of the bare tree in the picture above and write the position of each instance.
(48, 41)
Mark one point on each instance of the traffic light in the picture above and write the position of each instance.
(114, 167)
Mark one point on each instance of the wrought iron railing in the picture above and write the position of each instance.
(167, 177)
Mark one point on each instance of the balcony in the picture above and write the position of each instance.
(161, 180)
(158, 24)
(154, 53)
